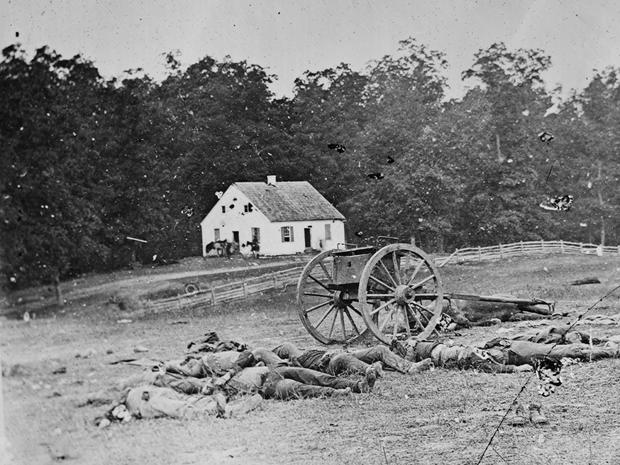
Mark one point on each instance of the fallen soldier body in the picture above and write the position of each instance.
(149, 401)
(504, 355)
(161, 394)
(233, 366)
(285, 383)
(556, 334)
(468, 313)
(333, 362)
(357, 361)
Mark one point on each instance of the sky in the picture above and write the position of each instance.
(288, 37)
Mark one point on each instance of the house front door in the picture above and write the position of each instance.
(236, 236)
(307, 238)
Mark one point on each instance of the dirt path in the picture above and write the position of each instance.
(77, 289)
(150, 279)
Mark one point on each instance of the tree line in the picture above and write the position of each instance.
(87, 161)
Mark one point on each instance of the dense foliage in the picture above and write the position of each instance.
(86, 162)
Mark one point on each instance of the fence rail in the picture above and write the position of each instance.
(282, 279)
(227, 292)
(516, 249)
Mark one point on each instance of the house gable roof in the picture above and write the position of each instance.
(289, 201)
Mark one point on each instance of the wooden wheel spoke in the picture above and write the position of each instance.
(331, 329)
(354, 309)
(415, 315)
(395, 326)
(407, 322)
(385, 320)
(381, 307)
(346, 310)
(378, 296)
(423, 311)
(396, 267)
(319, 282)
(325, 271)
(378, 281)
(421, 283)
(319, 295)
(344, 330)
(316, 307)
(387, 272)
(324, 316)
(416, 271)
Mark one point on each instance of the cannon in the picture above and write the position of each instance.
(393, 292)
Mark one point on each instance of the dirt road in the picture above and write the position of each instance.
(72, 290)
(154, 278)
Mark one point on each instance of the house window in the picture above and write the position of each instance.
(287, 233)
(216, 234)
(223, 209)
(328, 232)
(255, 235)
(247, 208)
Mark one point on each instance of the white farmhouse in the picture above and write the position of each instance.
(284, 217)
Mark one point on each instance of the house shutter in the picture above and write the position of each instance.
(287, 232)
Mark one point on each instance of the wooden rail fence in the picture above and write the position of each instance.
(282, 279)
(226, 292)
(516, 249)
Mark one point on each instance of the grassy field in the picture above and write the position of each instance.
(442, 416)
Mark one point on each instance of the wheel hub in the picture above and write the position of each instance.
(341, 299)
(403, 294)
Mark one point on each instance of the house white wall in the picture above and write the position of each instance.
(236, 219)
(273, 245)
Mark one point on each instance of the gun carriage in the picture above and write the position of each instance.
(393, 292)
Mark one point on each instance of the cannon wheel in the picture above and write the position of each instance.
(400, 293)
(330, 316)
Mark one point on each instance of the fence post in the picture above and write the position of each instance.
(562, 245)
(212, 296)
(245, 289)
(275, 281)
(521, 242)
(479, 254)
(619, 250)
(501, 255)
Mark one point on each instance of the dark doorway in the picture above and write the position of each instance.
(236, 236)
(307, 238)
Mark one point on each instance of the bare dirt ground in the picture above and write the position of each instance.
(442, 416)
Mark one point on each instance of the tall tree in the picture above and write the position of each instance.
(513, 160)
(48, 130)
(599, 104)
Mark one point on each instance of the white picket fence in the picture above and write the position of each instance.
(226, 292)
(517, 249)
